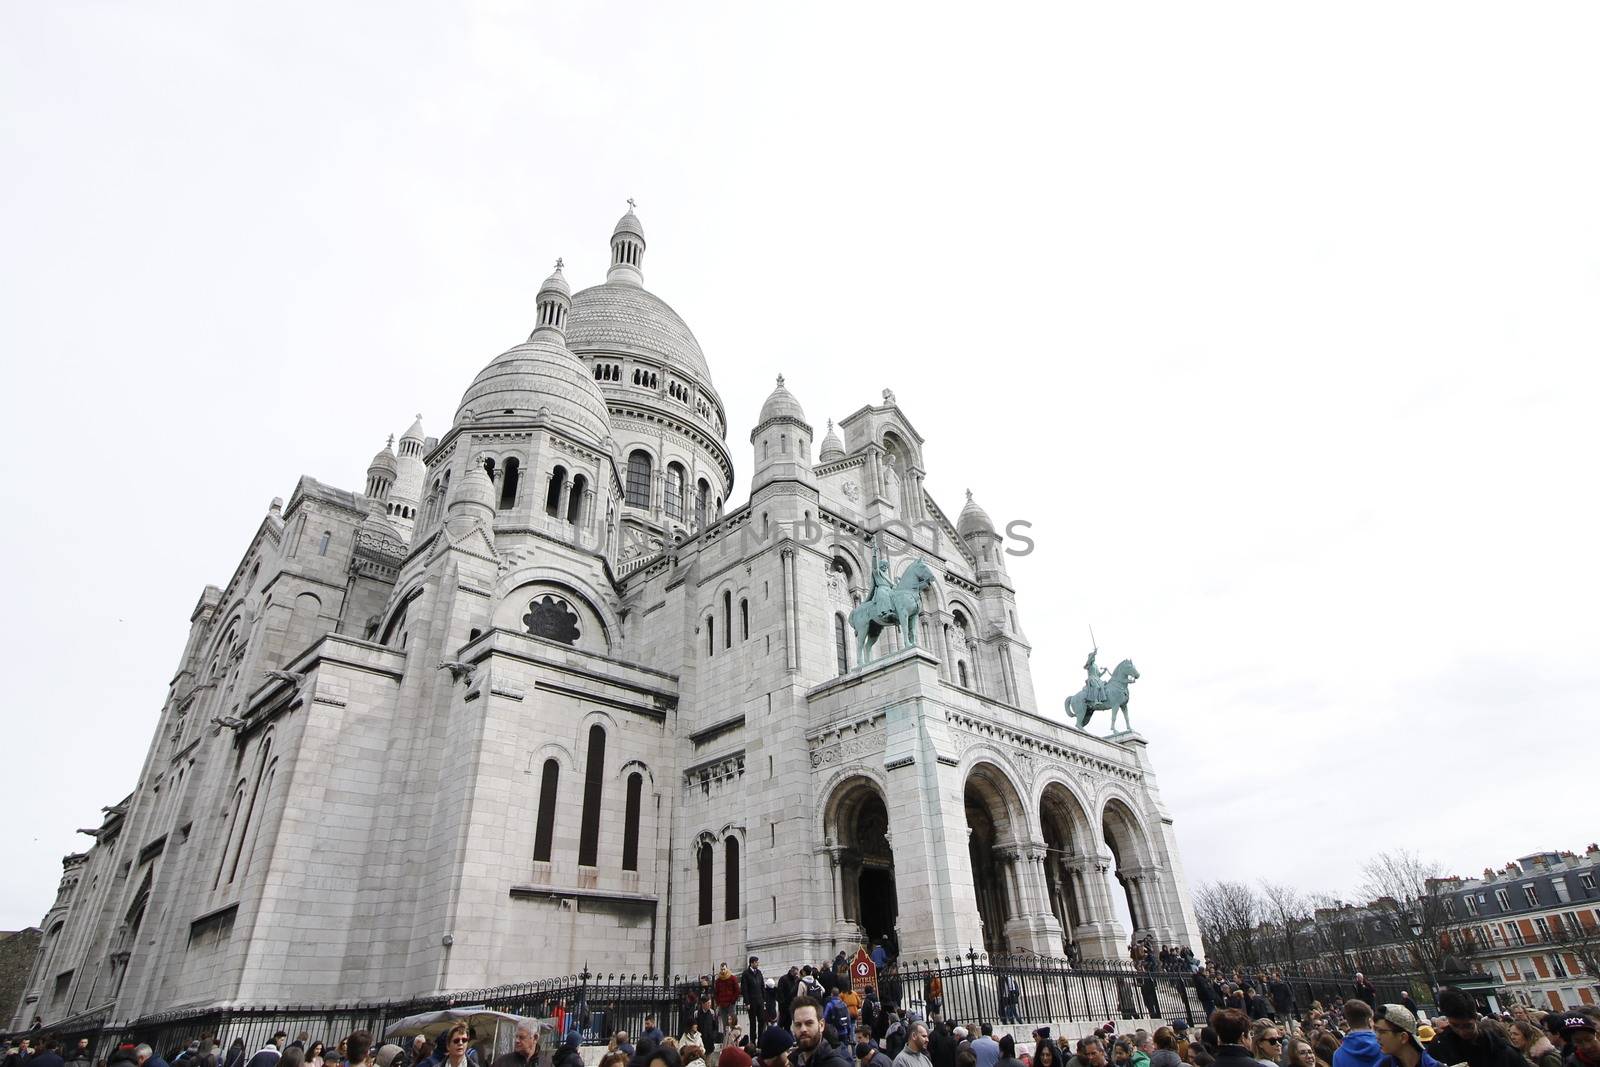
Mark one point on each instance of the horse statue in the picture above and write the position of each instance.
(1110, 695)
(899, 605)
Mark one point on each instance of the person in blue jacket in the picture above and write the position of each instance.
(1360, 1046)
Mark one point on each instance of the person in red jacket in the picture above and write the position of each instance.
(726, 994)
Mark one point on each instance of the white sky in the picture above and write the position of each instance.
(1278, 322)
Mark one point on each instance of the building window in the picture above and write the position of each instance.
(711, 636)
(552, 493)
(1514, 934)
(744, 620)
(1543, 928)
(553, 619)
(727, 620)
(575, 500)
(1472, 904)
(1449, 907)
(1560, 886)
(674, 501)
(1557, 968)
(707, 887)
(1502, 898)
(322, 546)
(638, 489)
(630, 823)
(545, 830)
(731, 876)
(841, 645)
(1531, 895)
(961, 671)
(593, 783)
(1587, 881)
(702, 496)
(509, 476)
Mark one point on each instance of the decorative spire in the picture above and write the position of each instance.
(389, 444)
(831, 447)
(553, 304)
(627, 250)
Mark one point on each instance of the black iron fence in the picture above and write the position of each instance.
(1022, 989)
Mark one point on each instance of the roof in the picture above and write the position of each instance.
(629, 320)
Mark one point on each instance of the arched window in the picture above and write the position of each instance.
(711, 636)
(630, 823)
(508, 484)
(731, 878)
(488, 467)
(552, 494)
(727, 620)
(593, 783)
(322, 546)
(707, 886)
(580, 488)
(638, 488)
(545, 833)
(702, 495)
(841, 645)
(961, 669)
(256, 801)
(674, 501)
(744, 620)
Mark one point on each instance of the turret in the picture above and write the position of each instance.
(627, 250)
(552, 305)
(381, 475)
(977, 530)
(472, 503)
(831, 448)
(782, 440)
(405, 495)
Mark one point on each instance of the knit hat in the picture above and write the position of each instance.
(387, 1053)
(775, 1041)
(733, 1056)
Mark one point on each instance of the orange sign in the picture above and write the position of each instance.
(863, 972)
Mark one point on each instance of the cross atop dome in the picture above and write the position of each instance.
(627, 250)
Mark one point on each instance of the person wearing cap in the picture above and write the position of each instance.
(1579, 1031)
(773, 1048)
(1464, 1040)
(1397, 1037)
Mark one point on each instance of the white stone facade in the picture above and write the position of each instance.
(536, 699)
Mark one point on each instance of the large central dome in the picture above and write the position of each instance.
(625, 319)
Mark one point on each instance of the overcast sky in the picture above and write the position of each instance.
(1278, 323)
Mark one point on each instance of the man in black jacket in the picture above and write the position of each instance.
(1231, 1025)
(753, 988)
(1207, 989)
(811, 1049)
(1465, 1040)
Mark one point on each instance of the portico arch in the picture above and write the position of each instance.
(996, 829)
(1135, 867)
(856, 824)
(1070, 852)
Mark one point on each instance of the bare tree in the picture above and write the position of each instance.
(1229, 913)
(1287, 914)
(1580, 939)
(1408, 895)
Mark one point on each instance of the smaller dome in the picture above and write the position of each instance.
(557, 282)
(973, 519)
(416, 433)
(629, 223)
(781, 405)
(475, 488)
(832, 447)
(384, 460)
(539, 377)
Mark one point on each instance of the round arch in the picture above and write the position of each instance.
(597, 623)
(856, 823)
(996, 826)
(1127, 839)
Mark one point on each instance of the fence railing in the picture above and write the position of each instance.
(973, 988)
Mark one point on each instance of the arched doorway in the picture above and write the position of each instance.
(992, 808)
(858, 824)
(1133, 868)
(1068, 843)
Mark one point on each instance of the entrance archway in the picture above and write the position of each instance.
(857, 822)
(993, 833)
(1068, 844)
(1134, 868)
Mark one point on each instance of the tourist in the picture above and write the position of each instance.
(1463, 1040)
(811, 1048)
(1232, 1026)
(236, 1054)
(421, 1050)
(80, 1052)
(836, 1017)
(145, 1056)
(773, 1048)
(733, 1056)
(1142, 1047)
(1360, 1045)
(1122, 1053)
(753, 988)
(1266, 1041)
(1366, 991)
(726, 995)
(1300, 1054)
(1044, 1054)
(293, 1056)
(1579, 1029)
(868, 1055)
(1282, 997)
(1164, 1048)
(314, 1052)
(664, 1055)
(1533, 1043)
(1326, 1045)
(358, 1049)
(1397, 1036)
(852, 1004)
(1008, 1052)
(525, 1049)
(1207, 990)
(986, 1049)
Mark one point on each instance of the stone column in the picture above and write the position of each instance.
(1099, 934)
(561, 499)
(790, 630)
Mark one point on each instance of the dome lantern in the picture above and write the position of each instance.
(832, 448)
(553, 303)
(627, 250)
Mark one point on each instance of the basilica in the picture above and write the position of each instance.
(538, 694)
